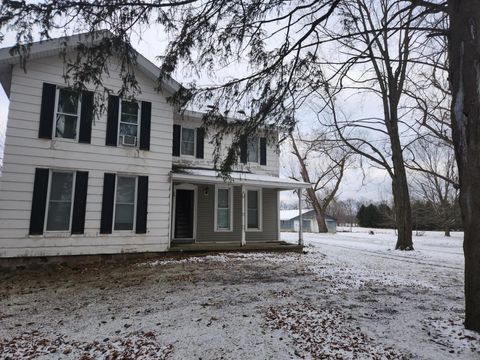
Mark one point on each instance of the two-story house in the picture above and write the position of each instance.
(139, 178)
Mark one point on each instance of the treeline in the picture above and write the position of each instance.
(426, 216)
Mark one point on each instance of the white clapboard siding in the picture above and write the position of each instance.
(272, 167)
(24, 151)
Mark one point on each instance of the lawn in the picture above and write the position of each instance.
(350, 296)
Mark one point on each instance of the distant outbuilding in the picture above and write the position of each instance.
(290, 221)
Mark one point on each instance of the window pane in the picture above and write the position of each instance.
(124, 216)
(188, 141)
(252, 149)
(223, 198)
(66, 126)
(125, 203)
(129, 108)
(61, 186)
(67, 101)
(59, 206)
(252, 221)
(223, 219)
(253, 199)
(252, 211)
(58, 216)
(126, 190)
(128, 129)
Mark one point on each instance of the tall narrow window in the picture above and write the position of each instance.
(223, 209)
(128, 133)
(125, 203)
(253, 209)
(252, 150)
(60, 201)
(67, 114)
(188, 141)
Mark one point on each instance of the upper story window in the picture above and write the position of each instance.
(188, 141)
(252, 149)
(67, 114)
(129, 123)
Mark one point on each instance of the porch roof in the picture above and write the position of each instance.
(204, 176)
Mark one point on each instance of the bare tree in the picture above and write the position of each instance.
(379, 38)
(321, 162)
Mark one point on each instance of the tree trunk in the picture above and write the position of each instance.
(447, 231)
(464, 61)
(319, 213)
(401, 196)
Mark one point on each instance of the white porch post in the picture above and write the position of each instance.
(243, 242)
(300, 217)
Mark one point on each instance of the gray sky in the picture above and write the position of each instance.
(368, 185)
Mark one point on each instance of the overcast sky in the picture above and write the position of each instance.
(368, 185)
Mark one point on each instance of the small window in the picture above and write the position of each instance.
(252, 150)
(125, 203)
(60, 201)
(253, 209)
(188, 141)
(223, 209)
(67, 114)
(128, 133)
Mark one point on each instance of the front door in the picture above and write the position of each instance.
(184, 214)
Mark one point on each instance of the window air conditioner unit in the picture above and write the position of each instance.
(129, 140)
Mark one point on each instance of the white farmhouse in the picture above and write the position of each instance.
(138, 179)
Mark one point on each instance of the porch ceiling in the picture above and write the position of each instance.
(203, 176)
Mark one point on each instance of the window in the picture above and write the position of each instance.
(252, 149)
(223, 215)
(67, 114)
(129, 116)
(125, 203)
(60, 201)
(254, 209)
(188, 141)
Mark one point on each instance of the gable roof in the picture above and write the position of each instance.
(293, 214)
(52, 47)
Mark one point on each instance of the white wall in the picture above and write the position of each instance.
(24, 151)
(272, 167)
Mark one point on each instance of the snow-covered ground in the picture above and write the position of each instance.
(351, 296)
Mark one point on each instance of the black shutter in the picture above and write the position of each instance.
(39, 201)
(263, 151)
(176, 140)
(243, 149)
(80, 202)
(146, 112)
(200, 141)
(107, 203)
(86, 118)
(142, 205)
(47, 111)
(112, 121)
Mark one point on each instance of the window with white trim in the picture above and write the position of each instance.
(223, 208)
(253, 149)
(67, 114)
(125, 203)
(254, 218)
(60, 201)
(129, 123)
(187, 146)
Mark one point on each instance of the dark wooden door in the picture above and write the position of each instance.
(184, 213)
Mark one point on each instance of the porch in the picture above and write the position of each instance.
(242, 213)
(231, 246)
